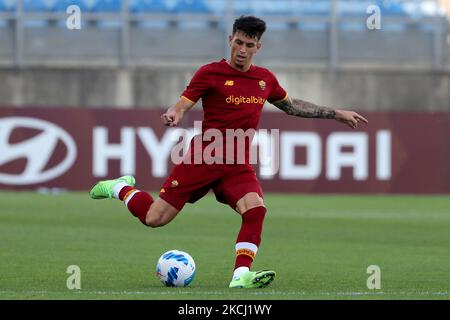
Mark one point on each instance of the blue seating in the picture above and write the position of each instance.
(353, 8)
(191, 6)
(40, 5)
(107, 6)
(281, 7)
(7, 5)
(217, 7)
(148, 6)
(85, 5)
(312, 7)
(57, 5)
(391, 8)
(304, 10)
(266, 7)
(244, 7)
(276, 8)
(359, 7)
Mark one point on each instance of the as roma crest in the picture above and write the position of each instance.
(262, 84)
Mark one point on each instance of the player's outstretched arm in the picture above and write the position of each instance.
(174, 114)
(305, 109)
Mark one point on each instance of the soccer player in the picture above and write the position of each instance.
(233, 93)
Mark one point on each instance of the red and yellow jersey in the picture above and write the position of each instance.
(233, 99)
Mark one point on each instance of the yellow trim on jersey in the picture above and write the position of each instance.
(287, 96)
(188, 99)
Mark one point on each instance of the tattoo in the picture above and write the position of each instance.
(304, 109)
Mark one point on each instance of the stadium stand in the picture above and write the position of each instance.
(299, 8)
(148, 6)
(316, 28)
(7, 8)
(142, 7)
(40, 5)
(106, 5)
(154, 46)
(7, 5)
(191, 6)
(269, 7)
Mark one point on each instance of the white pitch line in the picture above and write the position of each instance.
(249, 293)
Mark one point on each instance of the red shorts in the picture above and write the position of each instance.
(190, 182)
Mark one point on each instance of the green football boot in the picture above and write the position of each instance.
(105, 189)
(253, 279)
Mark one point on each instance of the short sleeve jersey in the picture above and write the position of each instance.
(233, 99)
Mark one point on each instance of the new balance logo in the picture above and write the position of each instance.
(229, 83)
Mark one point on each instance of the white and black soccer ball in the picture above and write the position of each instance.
(175, 268)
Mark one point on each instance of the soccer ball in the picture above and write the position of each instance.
(175, 268)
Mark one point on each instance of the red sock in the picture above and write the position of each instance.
(139, 203)
(243, 261)
(123, 192)
(249, 237)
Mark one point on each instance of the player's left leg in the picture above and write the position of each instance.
(243, 193)
(186, 183)
(252, 210)
(138, 202)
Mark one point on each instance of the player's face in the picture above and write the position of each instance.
(243, 48)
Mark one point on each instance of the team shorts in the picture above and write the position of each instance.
(190, 182)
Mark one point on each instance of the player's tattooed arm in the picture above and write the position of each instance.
(305, 109)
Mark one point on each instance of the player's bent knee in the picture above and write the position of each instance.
(160, 214)
(249, 201)
(251, 206)
(155, 219)
(154, 222)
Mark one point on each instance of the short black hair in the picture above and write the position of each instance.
(251, 26)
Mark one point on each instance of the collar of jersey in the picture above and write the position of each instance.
(252, 67)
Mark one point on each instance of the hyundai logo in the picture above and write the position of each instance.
(37, 150)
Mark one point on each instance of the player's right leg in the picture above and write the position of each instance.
(251, 208)
(253, 279)
(152, 213)
(241, 190)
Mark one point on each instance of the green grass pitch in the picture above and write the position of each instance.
(319, 245)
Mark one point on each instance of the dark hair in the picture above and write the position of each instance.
(250, 26)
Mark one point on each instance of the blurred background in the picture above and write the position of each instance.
(82, 105)
(141, 53)
(388, 59)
